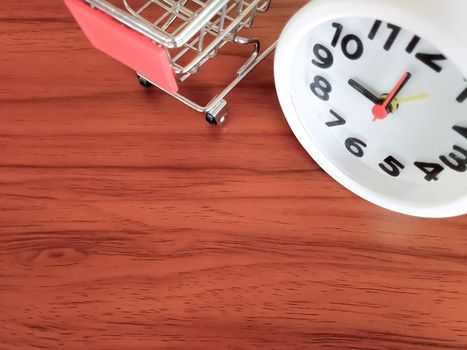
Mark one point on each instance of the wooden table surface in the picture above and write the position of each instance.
(127, 222)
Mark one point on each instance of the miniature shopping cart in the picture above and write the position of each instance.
(167, 41)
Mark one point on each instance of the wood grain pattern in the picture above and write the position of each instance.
(126, 222)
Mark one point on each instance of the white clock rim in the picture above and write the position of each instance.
(319, 11)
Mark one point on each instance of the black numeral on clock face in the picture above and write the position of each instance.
(431, 59)
(355, 146)
(347, 43)
(463, 96)
(431, 170)
(351, 45)
(321, 88)
(394, 33)
(395, 30)
(338, 122)
(460, 130)
(412, 44)
(392, 166)
(324, 58)
(455, 162)
(338, 27)
(374, 30)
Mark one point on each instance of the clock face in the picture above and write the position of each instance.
(387, 109)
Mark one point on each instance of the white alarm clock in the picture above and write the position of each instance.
(375, 91)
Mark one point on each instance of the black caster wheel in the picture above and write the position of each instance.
(217, 113)
(211, 119)
(144, 83)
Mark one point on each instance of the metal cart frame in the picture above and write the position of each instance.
(192, 32)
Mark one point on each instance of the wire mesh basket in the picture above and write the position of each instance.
(167, 41)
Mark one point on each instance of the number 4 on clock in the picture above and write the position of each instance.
(431, 170)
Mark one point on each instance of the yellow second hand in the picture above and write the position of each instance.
(412, 99)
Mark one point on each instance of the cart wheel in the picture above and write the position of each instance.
(144, 82)
(217, 114)
(211, 119)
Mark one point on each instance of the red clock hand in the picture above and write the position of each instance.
(380, 111)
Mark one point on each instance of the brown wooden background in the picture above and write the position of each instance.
(126, 222)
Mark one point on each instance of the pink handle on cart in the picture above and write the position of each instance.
(124, 44)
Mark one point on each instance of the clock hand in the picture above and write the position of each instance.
(380, 111)
(411, 99)
(395, 104)
(365, 92)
